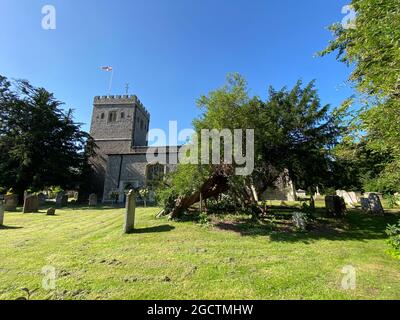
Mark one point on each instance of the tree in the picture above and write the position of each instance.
(372, 47)
(293, 133)
(40, 144)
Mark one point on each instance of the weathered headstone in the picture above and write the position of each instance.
(365, 205)
(42, 198)
(93, 200)
(31, 204)
(353, 197)
(10, 202)
(349, 199)
(301, 194)
(61, 199)
(64, 201)
(375, 204)
(335, 206)
(380, 195)
(129, 219)
(1, 212)
(51, 212)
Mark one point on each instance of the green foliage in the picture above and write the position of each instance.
(114, 196)
(293, 133)
(186, 180)
(225, 203)
(300, 221)
(392, 200)
(203, 219)
(373, 49)
(144, 192)
(393, 231)
(40, 144)
(373, 46)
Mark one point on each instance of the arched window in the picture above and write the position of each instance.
(155, 172)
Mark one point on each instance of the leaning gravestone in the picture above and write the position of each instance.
(335, 206)
(51, 212)
(10, 202)
(93, 200)
(375, 204)
(31, 204)
(129, 221)
(1, 213)
(347, 198)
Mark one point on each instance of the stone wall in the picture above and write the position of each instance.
(127, 169)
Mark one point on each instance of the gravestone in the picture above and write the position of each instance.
(31, 204)
(365, 205)
(335, 206)
(301, 194)
(129, 219)
(93, 200)
(1, 212)
(42, 198)
(349, 199)
(375, 204)
(51, 212)
(10, 202)
(61, 199)
(64, 201)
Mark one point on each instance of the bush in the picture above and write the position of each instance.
(392, 200)
(393, 231)
(114, 196)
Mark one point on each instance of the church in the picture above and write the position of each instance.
(119, 127)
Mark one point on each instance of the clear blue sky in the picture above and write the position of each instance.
(170, 51)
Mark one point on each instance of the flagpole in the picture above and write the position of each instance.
(111, 81)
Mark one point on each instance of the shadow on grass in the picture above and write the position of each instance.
(157, 229)
(9, 228)
(355, 226)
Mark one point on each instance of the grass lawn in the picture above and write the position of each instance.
(232, 258)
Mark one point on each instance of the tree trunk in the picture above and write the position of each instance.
(213, 187)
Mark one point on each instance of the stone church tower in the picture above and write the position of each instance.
(119, 123)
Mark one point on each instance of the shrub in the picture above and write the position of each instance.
(392, 200)
(144, 194)
(114, 196)
(203, 219)
(393, 231)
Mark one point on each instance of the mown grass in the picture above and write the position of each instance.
(235, 258)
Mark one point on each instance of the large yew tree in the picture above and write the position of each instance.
(40, 144)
